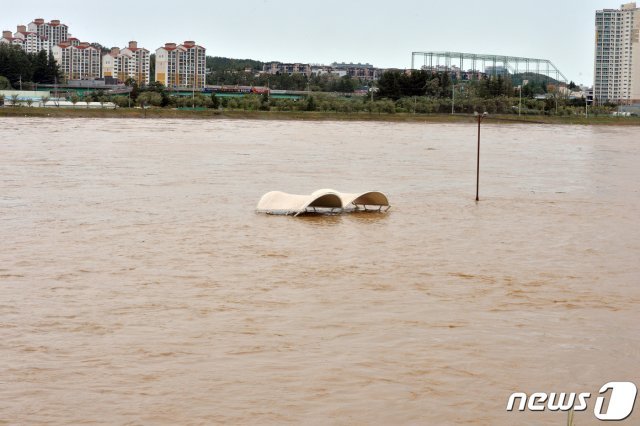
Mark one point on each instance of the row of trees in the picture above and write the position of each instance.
(301, 82)
(21, 68)
(247, 72)
(323, 103)
(396, 85)
(156, 96)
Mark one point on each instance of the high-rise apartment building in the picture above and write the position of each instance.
(53, 31)
(130, 62)
(81, 62)
(617, 55)
(8, 38)
(29, 41)
(38, 35)
(181, 66)
(32, 42)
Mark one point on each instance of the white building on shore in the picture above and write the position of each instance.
(181, 66)
(130, 62)
(617, 55)
(55, 31)
(81, 62)
(38, 35)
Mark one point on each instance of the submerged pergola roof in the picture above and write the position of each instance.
(480, 62)
(321, 201)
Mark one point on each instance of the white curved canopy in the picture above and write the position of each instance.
(372, 198)
(323, 200)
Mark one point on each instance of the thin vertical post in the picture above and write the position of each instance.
(478, 161)
(453, 97)
(193, 93)
(520, 102)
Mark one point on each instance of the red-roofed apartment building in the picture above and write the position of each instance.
(182, 66)
(130, 62)
(81, 62)
(31, 41)
(8, 38)
(37, 36)
(53, 31)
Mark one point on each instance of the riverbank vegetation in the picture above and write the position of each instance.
(208, 114)
(465, 100)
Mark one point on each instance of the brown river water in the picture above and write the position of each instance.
(138, 285)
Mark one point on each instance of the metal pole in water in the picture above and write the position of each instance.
(478, 161)
(480, 117)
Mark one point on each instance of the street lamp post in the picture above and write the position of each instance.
(520, 103)
(586, 107)
(480, 118)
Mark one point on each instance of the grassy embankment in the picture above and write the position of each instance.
(312, 116)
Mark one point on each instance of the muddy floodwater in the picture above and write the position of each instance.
(138, 285)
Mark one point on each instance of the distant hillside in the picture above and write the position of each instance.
(218, 63)
(516, 79)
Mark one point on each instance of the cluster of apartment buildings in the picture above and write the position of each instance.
(177, 66)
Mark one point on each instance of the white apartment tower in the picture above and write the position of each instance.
(29, 41)
(8, 38)
(32, 42)
(130, 62)
(38, 35)
(181, 67)
(53, 31)
(617, 55)
(81, 62)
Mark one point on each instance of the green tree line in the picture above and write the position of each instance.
(397, 84)
(18, 66)
(466, 102)
(300, 82)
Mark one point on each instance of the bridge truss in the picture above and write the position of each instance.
(471, 65)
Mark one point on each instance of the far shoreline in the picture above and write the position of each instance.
(160, 113)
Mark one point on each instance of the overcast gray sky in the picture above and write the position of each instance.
(383, 33)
